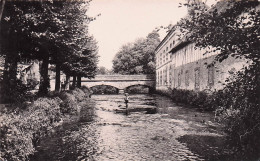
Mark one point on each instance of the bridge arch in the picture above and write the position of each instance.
(151, 89)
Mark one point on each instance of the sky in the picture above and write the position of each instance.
(124, 21)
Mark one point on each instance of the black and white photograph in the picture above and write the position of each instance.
(129, 80)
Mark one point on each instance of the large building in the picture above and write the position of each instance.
(180, 65)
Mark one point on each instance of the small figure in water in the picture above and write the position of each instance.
(126, 103)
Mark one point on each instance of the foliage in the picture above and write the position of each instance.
(198, 99)
(232, 27)
(237, 106)
(20, 130)
(137, 57)
(104, 90)
(103, 71)
(137, 89)
(51, 31)
(241, 113)
(20, 94)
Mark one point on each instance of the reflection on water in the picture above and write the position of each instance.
(169, 134)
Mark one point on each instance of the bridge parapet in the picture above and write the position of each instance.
(121, 82)
(120, 78)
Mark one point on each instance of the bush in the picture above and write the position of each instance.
(237, 106)
(103, 89)
(138, 89)
(71, 99)
(197, 99)
(17, 95)
(16, 142)
(240, 111)
(20, 130)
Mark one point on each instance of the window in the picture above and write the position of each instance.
(158, 79)
(187, 78)
(166, 48)
(197, 78)
(211, 75)
(166, 78)
(171, 45)
(179, 79)
(161, 78)
(170, 75)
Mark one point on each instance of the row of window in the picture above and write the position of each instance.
(162, 79)
(185, 55)
(164, 56)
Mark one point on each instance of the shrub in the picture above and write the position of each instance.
(240, 111)
(69, 103)
(238, 107)
(86, 90)
(198, 99)
(71, 99)
(16, 141)
(21, 129)
(103, 89)
(78, 94)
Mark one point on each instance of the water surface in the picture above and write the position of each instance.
(170, 132)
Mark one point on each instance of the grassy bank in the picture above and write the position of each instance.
(21, 129)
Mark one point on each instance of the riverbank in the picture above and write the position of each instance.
(21, 129)
(172, 133)
(208, 101)
(233, 110)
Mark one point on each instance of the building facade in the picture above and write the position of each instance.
(182, 66)
(29, 72)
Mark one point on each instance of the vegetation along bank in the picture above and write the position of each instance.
(22, 128)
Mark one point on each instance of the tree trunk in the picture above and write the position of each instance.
(74, 82)
(9, 77)
(57, 80)
(2, 4)
(44, 80)
(67, 82)
(78, 81)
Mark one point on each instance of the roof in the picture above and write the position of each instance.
(220, 7)
(166, 37)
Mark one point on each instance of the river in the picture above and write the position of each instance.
(154, 129)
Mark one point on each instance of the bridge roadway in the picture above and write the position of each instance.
(121, 82)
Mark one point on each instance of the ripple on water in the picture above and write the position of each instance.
(166, 135)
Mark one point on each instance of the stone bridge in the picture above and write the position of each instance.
(121, 82)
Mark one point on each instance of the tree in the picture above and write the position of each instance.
(73, 35)
(83, 64)
(52, 32)
(232, 27)
(103, 71)
(137, 57)
(2, 4)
